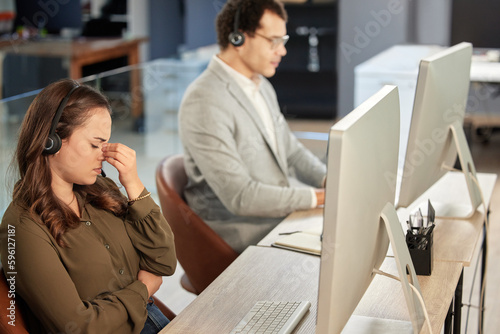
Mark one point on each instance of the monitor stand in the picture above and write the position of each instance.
(438, 193)
(372, 325)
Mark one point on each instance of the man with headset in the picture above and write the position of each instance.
(246, 170)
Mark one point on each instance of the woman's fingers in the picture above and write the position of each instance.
(123, 158)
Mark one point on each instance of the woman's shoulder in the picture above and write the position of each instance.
(19, 218)
(15, 213)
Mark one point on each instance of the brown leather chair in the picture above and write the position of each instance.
(201, 252)
(164, 309)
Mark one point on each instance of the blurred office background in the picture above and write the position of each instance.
(329, 38)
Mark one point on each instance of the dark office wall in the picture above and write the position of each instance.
(181, 24)
(23, 73)
(431, 22)
(306, 80)
(166, 26)
(476, 22)
(200, 22)
(418, 22)
(366, 29)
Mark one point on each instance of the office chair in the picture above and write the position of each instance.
(164, 309)
(201, 252)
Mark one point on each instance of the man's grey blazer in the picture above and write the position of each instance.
(237, 183)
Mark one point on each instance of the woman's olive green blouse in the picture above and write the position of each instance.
(90, 286)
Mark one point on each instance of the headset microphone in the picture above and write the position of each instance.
(53, 143)
(237, 38)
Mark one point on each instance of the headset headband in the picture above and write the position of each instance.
(60, 109)
(53, 143)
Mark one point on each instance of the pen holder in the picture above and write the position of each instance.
(420, 248)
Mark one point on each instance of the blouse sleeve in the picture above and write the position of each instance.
(151, 236)
(43, 282)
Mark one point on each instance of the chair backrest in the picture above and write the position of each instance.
(12, 322)
(202, 253)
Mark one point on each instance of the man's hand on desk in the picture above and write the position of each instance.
(320, 196)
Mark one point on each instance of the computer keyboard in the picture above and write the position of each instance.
(272, 317)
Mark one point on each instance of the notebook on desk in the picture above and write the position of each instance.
(307, 241)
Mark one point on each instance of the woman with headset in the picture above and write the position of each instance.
(83, 256)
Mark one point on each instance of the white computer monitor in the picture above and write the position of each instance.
(436, 132)
(362, 152)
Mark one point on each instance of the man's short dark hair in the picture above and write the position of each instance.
(251, 12)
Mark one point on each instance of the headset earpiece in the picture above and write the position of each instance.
(237, 38)
(54, 142)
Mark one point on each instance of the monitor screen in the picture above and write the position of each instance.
(50, 15)
(440, 102)
(362, 151)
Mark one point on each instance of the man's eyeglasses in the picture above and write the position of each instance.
(276, 41)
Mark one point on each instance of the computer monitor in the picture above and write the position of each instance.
(50, 15)
(436, 132)
(359, 216)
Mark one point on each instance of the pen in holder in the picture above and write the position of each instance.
(419, 241)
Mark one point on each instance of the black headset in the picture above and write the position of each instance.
(53, 143)
(236, 37)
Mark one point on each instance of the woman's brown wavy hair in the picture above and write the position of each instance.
(33, 190)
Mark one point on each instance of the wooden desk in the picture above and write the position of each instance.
(82, 52)
(222, 305)
(454, 239)
(438, 291)
(267, 273)
(296, 221)
(295, 277)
